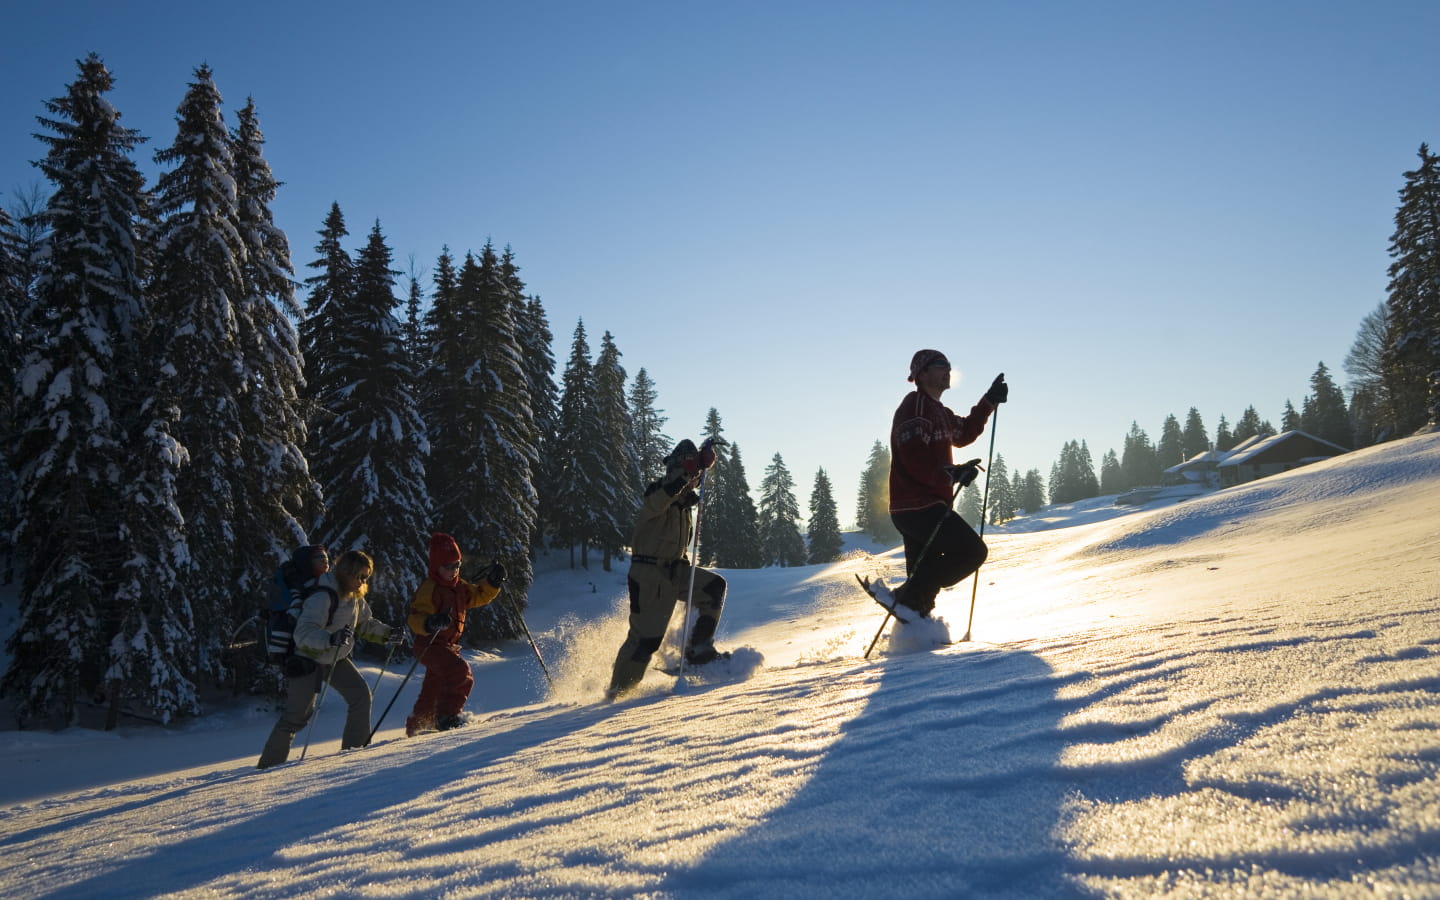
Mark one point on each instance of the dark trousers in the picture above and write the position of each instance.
(447, 683)
(954, 554)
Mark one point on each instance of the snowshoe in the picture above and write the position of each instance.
(881, 594)
(705, 653)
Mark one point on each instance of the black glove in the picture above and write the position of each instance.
(999, 391)
(396, 636)
(437, 622)
(496, 574)
(341, 635)
(964, 473)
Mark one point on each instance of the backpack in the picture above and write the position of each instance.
(287, 596)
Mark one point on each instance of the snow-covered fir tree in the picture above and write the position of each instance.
(620, 470)
(1193, 440)
(94, 454)
(1412, 358)
(1073, 478)
(1249, 425)
(730, 537)
(1000, 492)
(279, 495)
(538, 360)
(779, 515)
(1139, 461)
(14, 287)
(578, 494)
(872, 503)
(1112, 481)
(1170, 451)
(1290, 418)
(823, 533)
(329, 291)
(1324, 413)
(1370, 402)
(371, 455)
(970, 505)
(1030, 493)
(495, 518)
(196, 284)
(652, 444)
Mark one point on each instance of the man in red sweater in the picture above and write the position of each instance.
(922, 475)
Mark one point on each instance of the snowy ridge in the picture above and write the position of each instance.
(1237, 695)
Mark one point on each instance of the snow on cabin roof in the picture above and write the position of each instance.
(1251, 449)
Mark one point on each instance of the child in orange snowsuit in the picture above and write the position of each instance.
(437, 617)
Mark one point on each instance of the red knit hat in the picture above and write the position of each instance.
(443, 551)
(924, 359)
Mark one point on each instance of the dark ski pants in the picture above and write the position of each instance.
(301, 693)
(654, 590)
(447, 684)
(955, 553)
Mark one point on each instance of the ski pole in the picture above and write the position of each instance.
(984, 505)
(403, 682)
(526, 629)
(310, 730)
(915, 568)
(376, 686)
(694, 560)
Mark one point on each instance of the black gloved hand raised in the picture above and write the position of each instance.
(999, 391)
(496, 574)
(341, 635)
(437, 622)
(965, 473)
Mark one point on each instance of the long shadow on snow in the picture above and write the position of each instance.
(943, 786)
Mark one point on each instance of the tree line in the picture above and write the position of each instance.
(179, 420)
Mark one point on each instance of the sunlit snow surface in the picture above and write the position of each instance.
(1234, 695)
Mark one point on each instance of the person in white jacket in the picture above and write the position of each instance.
(335, 613)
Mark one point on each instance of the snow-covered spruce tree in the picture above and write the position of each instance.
(1249, 425)
(372, 446)
(330, 290)
(1370, 403)
(579, 495)
(621, 471)
(278, 495)
(196, 286)
(970, 503)
(532, 331)
(1111, 479)
(1193, 440)
(652, 444)
(444, 356)
(1412, 358)
(1001, 492)
(14, 286)
(1224, 437)
(1170, 451)
(498, 492)
(1032, 491)
(823, 533)
(1139, 461)
(779, 516)
(872, 504)
(1324, 413)
(1290, 419)
(94, 455)
(730, 533)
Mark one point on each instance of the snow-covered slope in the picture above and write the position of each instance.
(1237, 695)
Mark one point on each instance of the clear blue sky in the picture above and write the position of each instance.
(1129, 208)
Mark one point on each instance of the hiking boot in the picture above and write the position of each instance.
(704, 653)
(445, 723)
(414, 726)
(901, 600)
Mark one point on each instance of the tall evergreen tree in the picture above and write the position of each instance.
(1194, 441)
(779, 516)
(1072, 477)
(1170, 451)
(1249, 425)
(577, 497)
(1412, 358)
(1112, 479)
(1031, 492)
(498, 490)
(823, 533)
(1290, 420)
(620, 471)
(1224, 437)
(537, 358)
(94, 456)
(1139, 461)
(652, 445)
(330, 291)
(1001, 493)
(198, 282)
(732, 523)
(371, 464)
(1324, 413)
(14, 288)
(970, 503)
(872, 505)
(279, 494)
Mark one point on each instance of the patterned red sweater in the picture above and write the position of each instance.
(923, 433)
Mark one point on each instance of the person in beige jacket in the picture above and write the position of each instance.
(335, 613)
(660, 572)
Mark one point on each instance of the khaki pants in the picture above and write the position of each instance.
(300, 695)
(654, 591)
